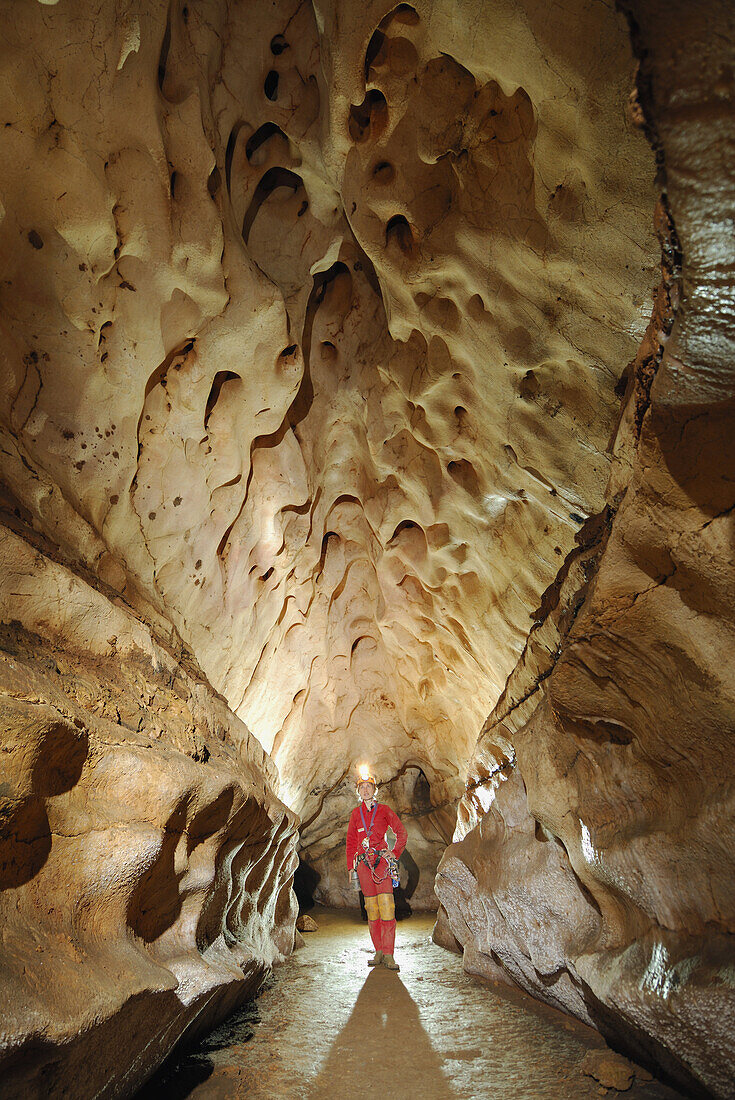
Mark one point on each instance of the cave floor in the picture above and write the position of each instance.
(327, 1028)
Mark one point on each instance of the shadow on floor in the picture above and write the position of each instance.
(383, 1048)
(192, 1065)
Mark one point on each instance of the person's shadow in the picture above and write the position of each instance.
(383, 1048)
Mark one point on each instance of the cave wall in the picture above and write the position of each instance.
(315, 324)
(145, 861)
(593, 857)
(313, 318)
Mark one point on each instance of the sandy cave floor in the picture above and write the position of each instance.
(327, 1027)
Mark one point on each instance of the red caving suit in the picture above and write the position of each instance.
(378, 895)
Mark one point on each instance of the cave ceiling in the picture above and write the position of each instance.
(313, 324)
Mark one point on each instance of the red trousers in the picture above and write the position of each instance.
(381, 911)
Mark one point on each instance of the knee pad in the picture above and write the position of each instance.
(371, 908)
(386, 906)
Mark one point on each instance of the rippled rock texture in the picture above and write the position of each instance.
(145, 862)
(315, 324)
(593, 861)
(314, 317)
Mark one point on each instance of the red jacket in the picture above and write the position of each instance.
(384, 817)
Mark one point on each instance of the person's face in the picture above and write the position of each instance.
(366, 790)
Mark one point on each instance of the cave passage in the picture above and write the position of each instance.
(367, 402)
(328, 1028)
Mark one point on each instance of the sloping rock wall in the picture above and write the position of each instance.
(313, 317)
(314, 329)
(145, 862)
(593, 860)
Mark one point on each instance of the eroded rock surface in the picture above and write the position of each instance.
(145, 862)
(593, 861)
(315, 324)
(314, 317)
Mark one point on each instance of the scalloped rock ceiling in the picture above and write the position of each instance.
(318, 316)
(328, 340)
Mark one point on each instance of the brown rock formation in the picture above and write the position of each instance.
(315, 321)
(594, 854)
(145, 863)
(325, 376)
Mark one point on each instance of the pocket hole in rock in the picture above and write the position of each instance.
(373, 51)
(465, 475)
(369, 118)
(277, 182)
(220, 378)
(398, 231)
(270, 86)
(384, 172)
(214, 181)
(163, 56)
(288, 357)
(260, 137)
(405, 14)
(476, 308)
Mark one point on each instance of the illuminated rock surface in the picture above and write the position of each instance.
(324, 375)
(313, 1032)
(145, 862)
(316, 322)
(594, 855)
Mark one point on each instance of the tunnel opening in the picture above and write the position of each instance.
(305, 883)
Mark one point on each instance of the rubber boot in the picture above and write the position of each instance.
(390, 963)
(376, 959)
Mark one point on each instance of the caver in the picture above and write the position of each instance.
(377, 866)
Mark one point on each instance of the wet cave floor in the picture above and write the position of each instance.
(328, 1028)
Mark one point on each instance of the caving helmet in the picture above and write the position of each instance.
(364, 775)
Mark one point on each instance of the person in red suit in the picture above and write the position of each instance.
(377, 865)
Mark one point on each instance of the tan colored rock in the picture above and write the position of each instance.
(305, 923)
(315, 323)
(618, 720)
(145, 862)
(321, 343)
(612, 1071)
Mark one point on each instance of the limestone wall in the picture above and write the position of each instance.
(316, 322)
(313, 319)
(145, 862)
(593, 862)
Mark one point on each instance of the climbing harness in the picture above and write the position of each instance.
(391, 865)
(364, 856)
